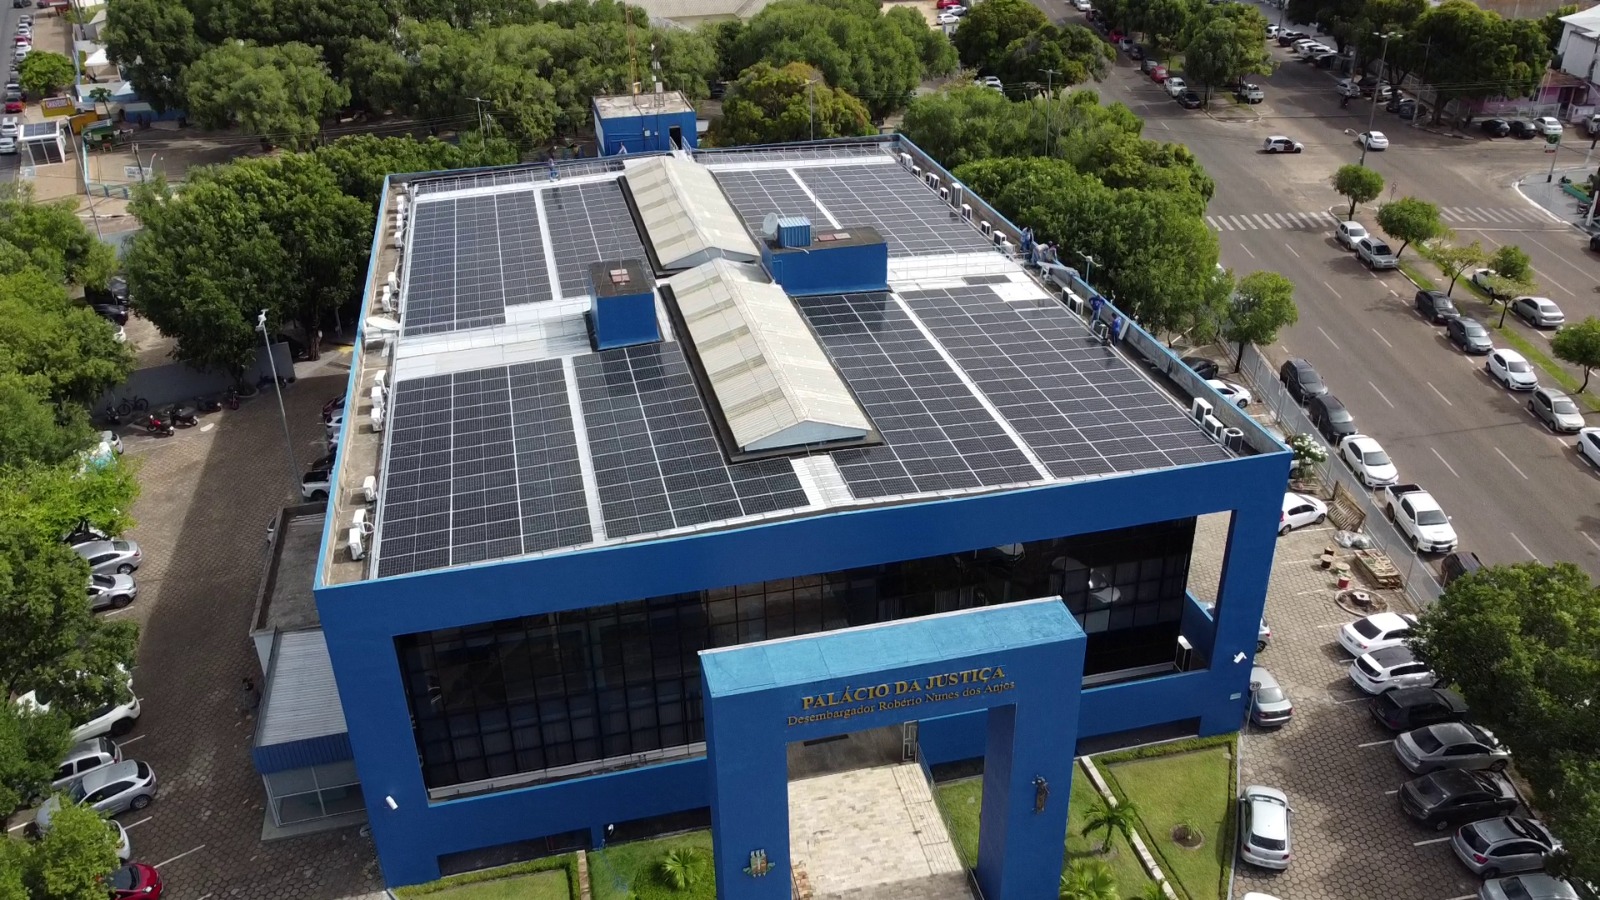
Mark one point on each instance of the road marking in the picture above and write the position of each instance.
(1523, 546)
(1374, 743)
(1247, 250)
(1437, 391)
(196, 850)
(1555, 284)
(1375, 389)
(122, 743)
(1513, 468)
(116, 612)
(140, 822)
(1297, 256)
(1391, 793)
(1446, 464)
(1163, 125)
(1330, 340)
(19, 826)
(1429, 841)
(1382, 338)
(1217, 223)
(1331, 290)
(1591, 541)
(1462, 897)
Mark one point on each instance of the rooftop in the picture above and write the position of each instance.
(506, 435)
(285, 601)
(643, 104)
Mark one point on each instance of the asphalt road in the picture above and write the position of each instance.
(1515, 490)
(8, 25)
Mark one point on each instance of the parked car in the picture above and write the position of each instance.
(1346, 87)
(1175, 86)
(1484, 279)
(1533, 886)
(1270, 705)
(111, 591)
(1456, 565)
(1249, 93)
(1348, 233)
(112, 789)
(1443, 798)
(1556, 410)
(1332, 419)
(1374, 140)
(1468, 334)
(1205, 368)
(1493, 847)
(1549, 126)
(1158, 73)
(1238, 395)
(1301, 380)
(111, 557)
(1191, 100)
(1495, 127)
(134, 881)
(1435, 307)
(946, 18)
(1419, 518)
(85, 757)
(1300, 510)
(1379, 631)
(1280, 144)
(114, 718)
(1264, 817)
(1511, 369)
(1409, 708)
(1287, 38)
(1389, 669)
(1451, 745)
(1376, 254)
(1540, 312)
(1589, 444)
(114, 313)
(315, 484)
(1365, 457)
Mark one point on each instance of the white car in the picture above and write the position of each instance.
(10, 127)
(1374, 140)
(1300, 510)
(990, 81)
(947, 18)
(1081, 5)
(1236, 394)
(1376, 632)
(1589, 445)
(1175, 86)
(1391, 668)
(8, 146)
(1366, 458)
(1549, 126)
(1264, 815)
(124, 846)
(1347, 234)
(1484, 279)
(1511, 369)
(111, 591)
(114, 719)
(1280, 144)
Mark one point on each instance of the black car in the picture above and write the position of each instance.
(1407, 109)
(111, 312)
(1331, 417)
(1441, 799)
(1495, 127)
(1522, 129)
(1285, 38)
(1190, 100)
(1205, 368)
(1457, 565)
(114, 293)
(1436, 307)
(1416, 707)
(1395, 100)
(1594, 242)
(1469, 335)
(1301, 380)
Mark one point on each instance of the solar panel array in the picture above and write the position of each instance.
(657, 462)
(482, 465)
(1082, 410)
(588, 223)
(804, 152)
(533, 174)
(755, 194)
(937, 435)
(913, 219)
(470, 257)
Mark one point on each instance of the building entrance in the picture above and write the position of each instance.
(1018, 665)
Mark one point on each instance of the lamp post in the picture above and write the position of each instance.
(288, 442)
(1383, 64)
(1088, 270)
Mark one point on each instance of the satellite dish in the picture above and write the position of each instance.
(769, 225)
(382, 324)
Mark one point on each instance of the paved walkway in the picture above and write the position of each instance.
(872, 833)
(1549, 195)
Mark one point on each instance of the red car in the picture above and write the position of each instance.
(13, 106)
(1158, 74)
(950, 4)
(1116, 36)
(134, 881)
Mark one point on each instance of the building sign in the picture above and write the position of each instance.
(937, 687)
(57, 106)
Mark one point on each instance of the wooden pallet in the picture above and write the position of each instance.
(1379, 570)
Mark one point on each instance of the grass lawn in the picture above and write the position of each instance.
(537, 886)
(963, 800)
(619, 868)
(1195, 789)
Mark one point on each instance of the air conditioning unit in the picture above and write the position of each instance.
(944, 194)
(400, 205)
(369, 489)
(387, 300)
(1007, 247)
(932, 179)
(393, 280)
(999, 237)
(1072, 301)
(1233, 439)
(356, 540)
(916, 170)
(1200, 409)
(376, 418)
(1213, 428)
(905, 160)
(359, 520)
(381, 379)
(956, 192)
(985, 228)
(379, 396)
(966, 211)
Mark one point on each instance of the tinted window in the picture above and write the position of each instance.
(1426, 740)
(1270, 695)
(1517, 365)
(1378, 247)
(123, 879)
(1376, 458)
(1432, 517)
(1473, 329)
(1565, 406)
(1366, 629)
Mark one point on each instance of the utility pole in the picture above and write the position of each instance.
(478, 103)
(811, 105)
(288, 442)
(1383, 63)
(1049, 106)
(1088, 270)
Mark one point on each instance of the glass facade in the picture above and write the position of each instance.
(314, 792)
(561, 694)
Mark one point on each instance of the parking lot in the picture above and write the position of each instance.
(208, 493)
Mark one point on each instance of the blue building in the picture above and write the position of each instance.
(845, 403)
(644, 123)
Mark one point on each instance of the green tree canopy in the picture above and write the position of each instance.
(989, 30)
(71, 859)
(1261, 306)
(771, 105)
(45, 73)
(1472, 53)
(1511, 261)
(280, 92)
(1410, 220)
(68, 354)
(1225, 43)
(359, 163)
(1454, 259)
(1579, 344)
(50, 237)
(1358, 184)
(31, 747)
(1163, 22)
(1073, 53)
(965, 123)
(153, 42)
(34, 429)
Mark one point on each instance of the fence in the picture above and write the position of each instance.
(1420, 585)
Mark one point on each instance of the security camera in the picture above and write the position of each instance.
(390, 801)
(1238, 657)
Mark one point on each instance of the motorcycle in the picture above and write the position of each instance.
(158, 427)
(207, 404)
(231, 397)
(112, 417)
(182, 417)
(283, 381)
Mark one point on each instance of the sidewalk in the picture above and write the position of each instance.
(1549, 196)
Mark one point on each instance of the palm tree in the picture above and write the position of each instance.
(101, 95)
(1088, 879)
(1155, 890)
(1111, 819)
(684, 868)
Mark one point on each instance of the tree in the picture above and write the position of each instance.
(964, 123)
(988, 31)
(32, 429)
(1073, 52)
(50, 237)
(1263, 304)
(1358, 183)
(1224, 44)
(1454, 260)
(44, 73)
(1410, 219)
(1112, 819)
(280, 92)
(1552, 26)
(1088, 879)
(1162, 21)
(769, 105)
(67, 353)
(1579, 344)
(378, 76)
(1511, 261)
(31, 747)
(359, 163)
(153, 42)
(52, 500)
(1473, 53)
(71, 859)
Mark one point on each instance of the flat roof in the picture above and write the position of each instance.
(286, 601)
(643, 104)
(506, 435)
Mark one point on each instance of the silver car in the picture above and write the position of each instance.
(1527, 887)
(1556, 410)
(1508, 844)
(1540, 312)
(1270, 705)
(1451, 745)
(1264, 827)
(117, 557)
(126, 785)
(111, 591)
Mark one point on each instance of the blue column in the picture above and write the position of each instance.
(749, 800)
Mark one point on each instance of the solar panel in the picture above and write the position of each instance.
(588, 223)
(913, 219)
(470, 257)
(657, 462)
(755, 194)
(482, 465)
(938, 436)
(1083, 410)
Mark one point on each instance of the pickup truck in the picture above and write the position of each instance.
(1419, 518)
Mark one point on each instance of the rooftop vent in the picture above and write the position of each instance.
(622, 309)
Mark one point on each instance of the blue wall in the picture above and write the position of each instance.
(629, 132)
(360, 621)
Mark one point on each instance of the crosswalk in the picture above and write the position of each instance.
(1478, 215)
(1279, 221)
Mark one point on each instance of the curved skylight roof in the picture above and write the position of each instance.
(685, 216)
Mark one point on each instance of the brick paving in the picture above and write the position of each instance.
(208, 493)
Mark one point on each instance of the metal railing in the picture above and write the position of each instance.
(1418, 580)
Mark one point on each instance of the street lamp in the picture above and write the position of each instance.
(288, 442)
(1088, 270)
(1383, 65)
